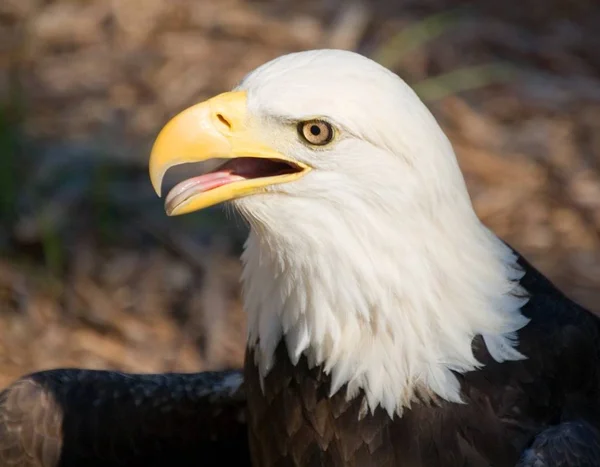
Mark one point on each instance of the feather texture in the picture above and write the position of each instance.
(71, 418)
(538, 412)
(374, 264)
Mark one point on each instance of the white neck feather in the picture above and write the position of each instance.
(374, 264)
(388, 301)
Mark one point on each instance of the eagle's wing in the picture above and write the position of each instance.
(84, 417)
(569, 444)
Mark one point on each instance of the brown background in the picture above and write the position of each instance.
(93, 274)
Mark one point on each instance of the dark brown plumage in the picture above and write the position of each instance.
(90, 418)
(540, 412)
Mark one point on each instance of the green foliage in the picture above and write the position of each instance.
(52, 246)
(463, 79)
(391, 53)
(104, 211)
(8, 166)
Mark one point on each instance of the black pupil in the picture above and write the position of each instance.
(315, 130)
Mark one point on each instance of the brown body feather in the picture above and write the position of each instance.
(72, 418)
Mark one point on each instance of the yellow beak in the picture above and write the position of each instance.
(217, 128)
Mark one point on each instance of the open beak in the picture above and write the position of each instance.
(217, 128)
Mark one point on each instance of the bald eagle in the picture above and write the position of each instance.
(387, 326)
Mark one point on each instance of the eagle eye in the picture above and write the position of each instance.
(316, 132)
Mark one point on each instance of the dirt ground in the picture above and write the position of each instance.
(93, 274)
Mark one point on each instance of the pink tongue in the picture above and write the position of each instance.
(208, 181)
(199, 184)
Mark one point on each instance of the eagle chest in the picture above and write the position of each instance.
(294, 422)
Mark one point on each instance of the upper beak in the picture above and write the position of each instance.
(216, 128)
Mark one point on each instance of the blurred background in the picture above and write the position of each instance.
(93, 273)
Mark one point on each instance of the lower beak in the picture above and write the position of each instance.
(217, 128)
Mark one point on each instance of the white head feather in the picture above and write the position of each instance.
(374, 264)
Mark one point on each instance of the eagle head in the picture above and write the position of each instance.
(365, 254)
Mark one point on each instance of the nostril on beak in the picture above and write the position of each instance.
(224, 121)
